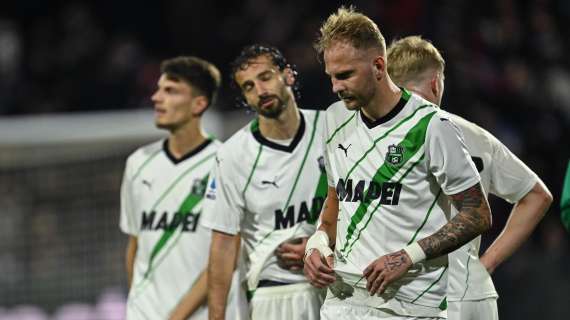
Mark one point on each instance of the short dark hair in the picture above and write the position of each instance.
(202, 75)
(253, 51)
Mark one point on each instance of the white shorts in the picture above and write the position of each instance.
(294, 301)
(344, 311)
(485, 309)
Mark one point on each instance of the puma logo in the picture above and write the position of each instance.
(266, 182)
(147, 183)
(340, 146)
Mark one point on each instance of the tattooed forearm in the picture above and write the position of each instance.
(474, 217)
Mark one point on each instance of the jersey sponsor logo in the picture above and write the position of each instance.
(211, 193)
(321, 162)
(341, 147)
(388, 192)
(298, 213)
(151, 222)
(395, 155)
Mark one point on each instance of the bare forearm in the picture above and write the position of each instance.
(130, 255)
(524, 217)
(220, 270)
(192, 300)
(329, 215)
(474, 218)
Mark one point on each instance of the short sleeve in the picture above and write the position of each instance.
(128, 218)
(222, 208)
(448, 158)
(511, 179)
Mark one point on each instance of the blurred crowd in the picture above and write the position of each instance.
(507, 70)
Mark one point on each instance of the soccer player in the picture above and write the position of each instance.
(391, 157)
(268, 186)
(418, 66)
(161, 198)
(565, 201)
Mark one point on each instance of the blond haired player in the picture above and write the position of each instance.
(391, 158)
(417, 65)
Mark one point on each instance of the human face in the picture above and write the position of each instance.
(352, 73)
(265, 88)
(172, 103)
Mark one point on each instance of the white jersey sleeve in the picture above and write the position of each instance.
(223, 204)
(447, 156)
(511, 179)
(128, 223)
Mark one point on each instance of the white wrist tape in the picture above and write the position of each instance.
(318, 241)
(415, 252)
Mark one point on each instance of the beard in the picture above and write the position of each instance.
(274, 111)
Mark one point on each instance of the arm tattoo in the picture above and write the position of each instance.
(395, 260)
(474, 217)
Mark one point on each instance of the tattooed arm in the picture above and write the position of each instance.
(474, 218)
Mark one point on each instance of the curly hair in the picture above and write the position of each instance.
(252, 52)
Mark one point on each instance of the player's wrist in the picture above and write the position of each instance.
(415, 252)
(318, 241)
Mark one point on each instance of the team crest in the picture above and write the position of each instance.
(395, 155)
(199, 187)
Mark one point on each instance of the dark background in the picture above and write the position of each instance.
(507, 70)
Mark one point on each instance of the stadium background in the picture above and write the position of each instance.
(75, 81)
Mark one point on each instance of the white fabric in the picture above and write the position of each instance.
(358, 304)
(298, 301)
(485, 309)
(412, 206)
(318, 241)
(248, 193)
(504, 175)
(154, 188)
(415, 252)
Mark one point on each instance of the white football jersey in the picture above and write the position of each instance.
(391, 176)
(269, 193)
(502, 174)
(161, 203)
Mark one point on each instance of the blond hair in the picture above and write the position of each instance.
(353, 27)
(410, 57)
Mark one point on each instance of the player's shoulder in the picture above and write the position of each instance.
(235, 144)
(144, 152)
(471, 130)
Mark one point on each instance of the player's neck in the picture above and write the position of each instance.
(386, 99)
(185, 139)
(283, 127)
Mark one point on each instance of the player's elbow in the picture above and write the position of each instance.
(543, 197)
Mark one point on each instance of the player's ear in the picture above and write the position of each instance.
(289, 76)
(379, 65)
(434, 84)
(199, 105)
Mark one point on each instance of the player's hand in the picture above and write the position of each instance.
(290, 254)
(385, 270)
(319, 270)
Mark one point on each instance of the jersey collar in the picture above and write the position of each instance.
(262, 140)
(390, 115)
(188, 155)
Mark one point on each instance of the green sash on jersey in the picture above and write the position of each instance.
(185, 209)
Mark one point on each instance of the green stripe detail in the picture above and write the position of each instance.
(162, 242)
(443, 305)
(146, 162)
(185, 209)
(426, 218)
(431, 285)
(254, 126)
(384, 136)
(378, 205)
(252, 171)
(321, 192)
(412, 142)
(406, 94)
(299, 172)
(466, 278)
(340, 127)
